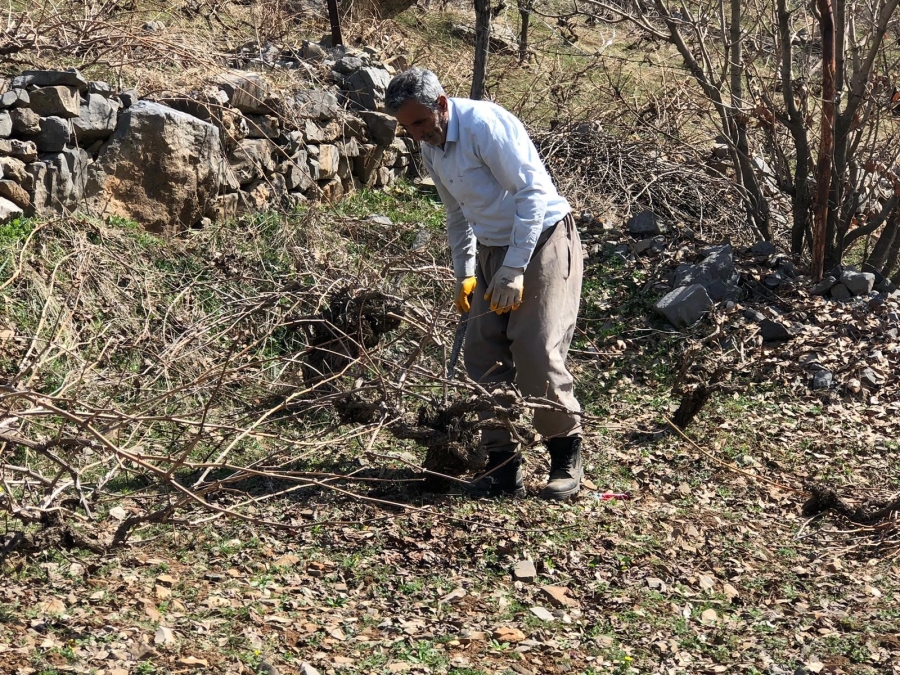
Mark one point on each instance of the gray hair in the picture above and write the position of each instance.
(418, 84)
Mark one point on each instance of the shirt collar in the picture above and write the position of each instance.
(452, 123)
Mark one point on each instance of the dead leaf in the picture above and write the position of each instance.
(52, 606)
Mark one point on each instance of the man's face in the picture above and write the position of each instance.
(423, 123)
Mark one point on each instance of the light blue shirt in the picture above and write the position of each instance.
(493, 185)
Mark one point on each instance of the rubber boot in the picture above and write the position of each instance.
(566, 468)
(502, 477)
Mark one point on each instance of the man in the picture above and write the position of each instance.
(514, 244)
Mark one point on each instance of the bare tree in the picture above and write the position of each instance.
(765, 70)
(482, 46)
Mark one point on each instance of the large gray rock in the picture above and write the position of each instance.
(263, 126)
(50, 78)
(329, 157)
(684, 306)
(13, 169)
(858, 283)
(160, 168)
(366, 87)
(25, 121)
(296, 173)
(247, 91)
(23, 150)
(8, 211)
(58, 180)
(54, 134)
(15, 98)
(382, 127)
(840, 292)
(367, 163)
(251, 159)
(316, 104)
(15, 193)
(96, 119)
(715, 273)
(6, 124)
(55, 101)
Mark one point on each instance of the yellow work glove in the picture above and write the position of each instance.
(506, 289)
(464, 288)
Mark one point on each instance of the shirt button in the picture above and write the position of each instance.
(451, 180)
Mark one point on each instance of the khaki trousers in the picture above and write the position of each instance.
(530, 344)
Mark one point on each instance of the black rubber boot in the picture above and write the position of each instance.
(502, 477)
(566, 468)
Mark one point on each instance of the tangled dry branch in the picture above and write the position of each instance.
(194, 380)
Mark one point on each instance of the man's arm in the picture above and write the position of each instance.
(504, 146)
(459, 231)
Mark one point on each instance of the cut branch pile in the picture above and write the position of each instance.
(585, 160)
(145, 382)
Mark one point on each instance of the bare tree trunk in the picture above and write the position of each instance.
(482, 47)
(525, 14)
(801, 198)
(336, 38)
(885, 244)
(757, 205)
(890, 266)
(826, 145)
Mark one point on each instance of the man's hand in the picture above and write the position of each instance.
(506, 289)
(464, 288)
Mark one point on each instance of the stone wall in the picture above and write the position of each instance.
(172, 160)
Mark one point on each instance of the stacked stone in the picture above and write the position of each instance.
(50, 124)
(234, 146)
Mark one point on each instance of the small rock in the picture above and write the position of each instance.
(645, 222)
(754, 315)
(840, 292)
(542, 613)
(762, 249)
(508, 634)
(469, 636)
(164, 636)
(455, 594)
(307, 669)
(8, 211)
(524, 571)
(822, 379)
(869, 378)
(192, 661)
(774, 331)
(709, 616)
(287, 560)
(557, 595)
(685, 305)
(853, 386)
(118, 513)
(823, 286)
(378, 219)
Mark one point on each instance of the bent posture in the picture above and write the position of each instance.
(517, 260)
